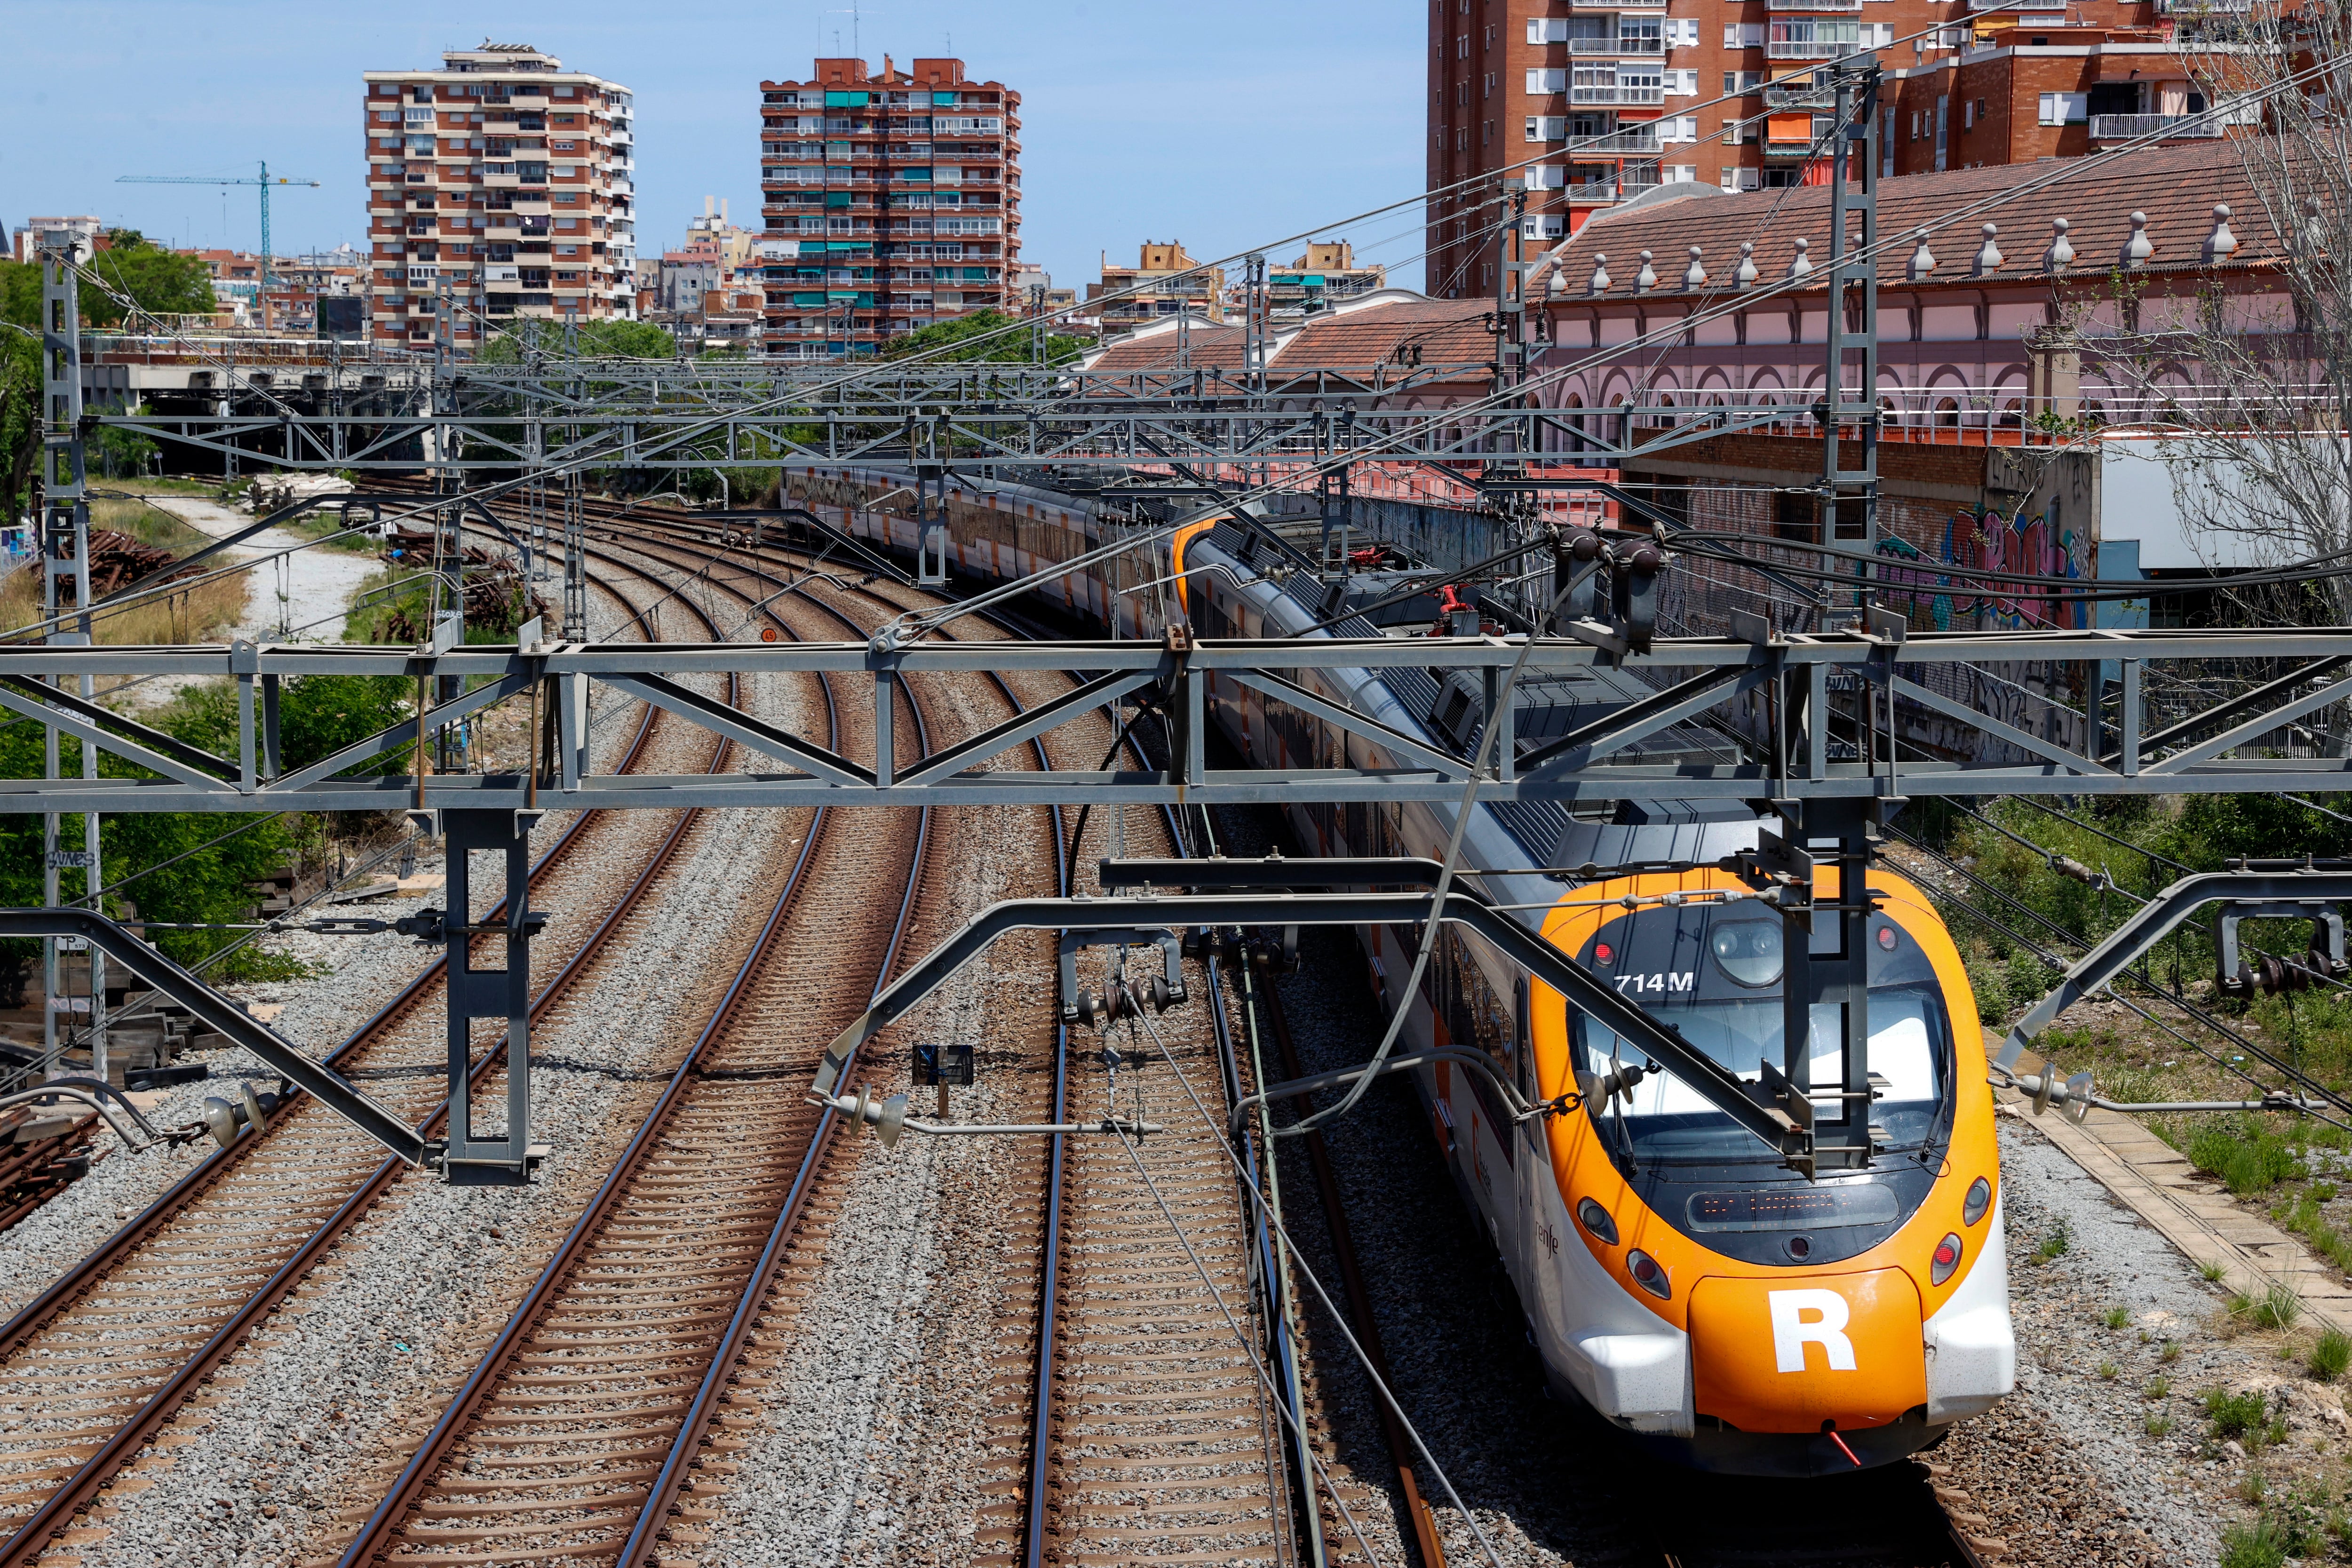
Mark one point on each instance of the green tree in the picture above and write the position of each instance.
(163, 281)
(1012, 346)
(597, 339)
(317, 716)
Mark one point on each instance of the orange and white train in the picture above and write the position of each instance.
(1722, 1309)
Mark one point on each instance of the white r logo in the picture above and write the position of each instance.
(1793, 1330)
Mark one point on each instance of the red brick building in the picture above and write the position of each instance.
(509, 177)
(891, 201)
(1606, 96)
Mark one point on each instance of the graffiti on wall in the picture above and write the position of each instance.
(1943, 593)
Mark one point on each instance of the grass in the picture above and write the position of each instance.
(2157, 1388)
(2234, 1415)
(2109, 1372)
(2248, 1159)
(2214, 1272)
(2054, 1245)
(2115, 1317)
(2158, 1425)
(2276, 1308)
(198, 614)
(2170, 1353)
(2330, 1356)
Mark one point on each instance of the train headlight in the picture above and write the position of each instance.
(1596, 1219)
(1980, 1198)
(1946, 1258)
(1648, 1275)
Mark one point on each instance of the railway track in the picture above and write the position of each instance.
(172, 1295)
(590, 1412)
(1149, 1435)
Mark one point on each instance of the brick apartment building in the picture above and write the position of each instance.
(899, 193)
(509, 177)
(1621, 82)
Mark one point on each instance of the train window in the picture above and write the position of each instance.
(1476, 1016)
(1716, 975)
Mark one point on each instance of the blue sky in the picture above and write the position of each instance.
(1222, 124)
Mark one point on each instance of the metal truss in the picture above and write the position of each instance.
(1827, 690)
(972, 436)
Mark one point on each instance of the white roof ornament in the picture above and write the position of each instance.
(2060, 254)
(2138, 248)
(1988, 253)
(1923, 261)
(2314, 233)
(1599, 282)
(1647, 279)
(1801, 264)
(2220, 244)
(1695, 277)
(1745, 276)
(1556, 284)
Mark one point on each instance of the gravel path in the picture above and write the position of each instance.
(305, 592)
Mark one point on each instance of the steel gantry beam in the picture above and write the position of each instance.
(975, 436)
(1329, 679)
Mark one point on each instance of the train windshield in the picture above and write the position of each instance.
(1714, 973)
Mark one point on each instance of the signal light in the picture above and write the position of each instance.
(1604, 953)
(1946, 1258)
(1596, 1219)
(1887, 938)
(1980, 1198)
(1648, 1275)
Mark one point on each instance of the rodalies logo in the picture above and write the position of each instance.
(1802, 1318)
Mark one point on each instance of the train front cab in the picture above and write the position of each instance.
(1723, 1311)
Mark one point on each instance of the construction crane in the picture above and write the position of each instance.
(264, 182)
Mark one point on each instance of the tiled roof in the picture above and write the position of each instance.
(1207, 346)
(2175, 187)
(1445, 331)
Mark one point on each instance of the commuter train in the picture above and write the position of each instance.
(1730, 1314)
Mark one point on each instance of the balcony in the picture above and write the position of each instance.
(2120, 127)
(1628, 96)
(1851, 5)
(1618, 144)
(1617, 46)
(2203, 7)
(1591, 190)
(1809, 48)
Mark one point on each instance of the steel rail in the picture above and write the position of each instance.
(657, 1504)
(1351, 1278)
(78, 1493)
(1041, 1384)
(377, 1535)
(652, 1520)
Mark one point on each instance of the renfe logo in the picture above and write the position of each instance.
(1801, 1318)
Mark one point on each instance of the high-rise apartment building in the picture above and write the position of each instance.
(890, 202)
(1605, 96)
(509, 178)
